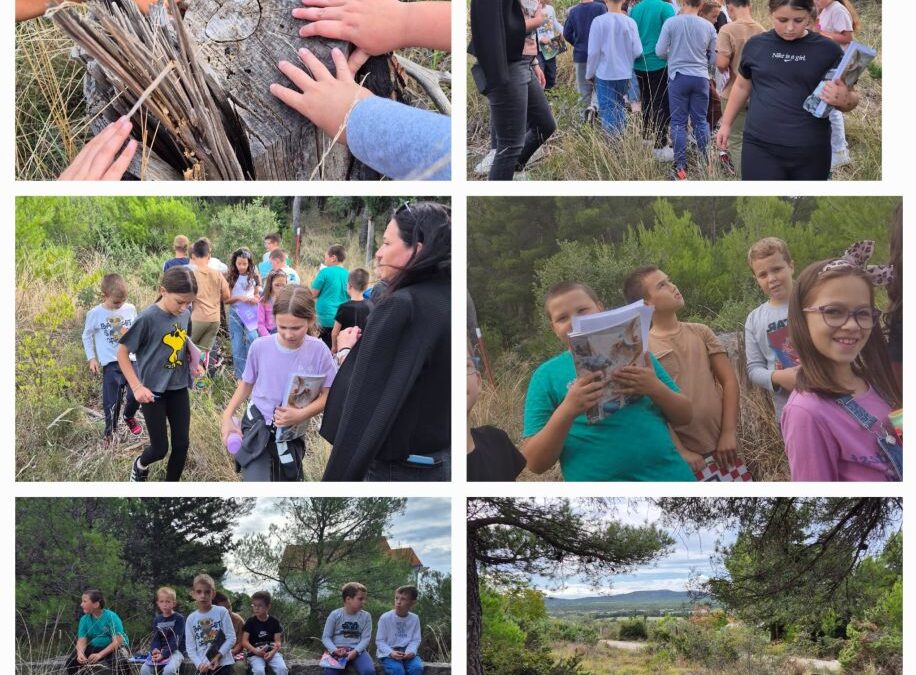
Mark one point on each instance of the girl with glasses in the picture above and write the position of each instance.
(835, 423)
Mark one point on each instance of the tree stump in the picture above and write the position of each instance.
(238, 44)
(241, 42)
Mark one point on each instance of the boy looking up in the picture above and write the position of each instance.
(693, 356)
(398, 635)
(771, 361)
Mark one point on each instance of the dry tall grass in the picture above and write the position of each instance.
(60, 438)
(759, 439)
(585, 152)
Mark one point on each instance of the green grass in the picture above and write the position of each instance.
(578, 152)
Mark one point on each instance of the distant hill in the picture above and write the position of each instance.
(626, 603)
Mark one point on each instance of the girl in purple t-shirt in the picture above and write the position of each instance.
(835, 423)
(287, 378)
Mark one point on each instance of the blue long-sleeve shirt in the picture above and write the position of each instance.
(399, 141)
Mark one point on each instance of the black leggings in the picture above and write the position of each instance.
(767, 161)
(173, 406)
(656, 113)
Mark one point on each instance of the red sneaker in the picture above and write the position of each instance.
(133, 425)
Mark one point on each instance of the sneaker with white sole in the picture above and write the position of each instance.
(483, 166)
(138, 475)
(664, 154)
(839, 159)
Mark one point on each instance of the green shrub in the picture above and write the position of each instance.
(243, 225)
(634, 629)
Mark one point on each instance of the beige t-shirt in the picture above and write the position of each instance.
(212, 288)
(730, 42)
(686, 356)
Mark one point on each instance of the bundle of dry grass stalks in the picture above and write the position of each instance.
(150, 66)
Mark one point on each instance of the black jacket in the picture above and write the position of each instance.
(497, 37)
(391, 397)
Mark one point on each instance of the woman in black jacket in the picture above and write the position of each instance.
(508, 74)
(387, 414)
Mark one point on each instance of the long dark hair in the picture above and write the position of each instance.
(178, 279)
(232, 274)
(872, 364)
(430, 224)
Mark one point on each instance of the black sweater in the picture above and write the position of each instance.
(391, 397)
(497, 37)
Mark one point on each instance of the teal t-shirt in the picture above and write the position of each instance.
(331, 283)
(100, 632)
(649, 16)
(633, 444)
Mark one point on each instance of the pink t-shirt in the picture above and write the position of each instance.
(824, 442)
(834, 18)
(270, 365)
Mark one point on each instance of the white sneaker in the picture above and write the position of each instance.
(664, 154)
(483, 166)
(839, 159)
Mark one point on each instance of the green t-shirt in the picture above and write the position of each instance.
(632, 444)
(649, 16)
(331, 283)
(100, 632)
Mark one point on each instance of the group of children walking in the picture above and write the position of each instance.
(762, 78)
(216, 640)
(816, 343)
(277, 327)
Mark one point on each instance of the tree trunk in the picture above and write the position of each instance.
(296, 218)
(239, 43)
(475, 667)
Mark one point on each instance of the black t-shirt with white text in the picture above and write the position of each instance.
(783, 73)
(261, 633)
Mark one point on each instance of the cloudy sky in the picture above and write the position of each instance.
(689, 557)
(425, 526)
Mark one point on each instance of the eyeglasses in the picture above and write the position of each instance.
(836, 316)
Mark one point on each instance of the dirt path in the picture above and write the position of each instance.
(628, 646)
(817, 665)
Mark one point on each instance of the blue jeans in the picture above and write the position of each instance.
(633, 90)
(362, 664)
(241, 341)
(413, 666)
(612, 104)
(688, 96)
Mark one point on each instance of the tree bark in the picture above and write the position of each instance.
(475, 666)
